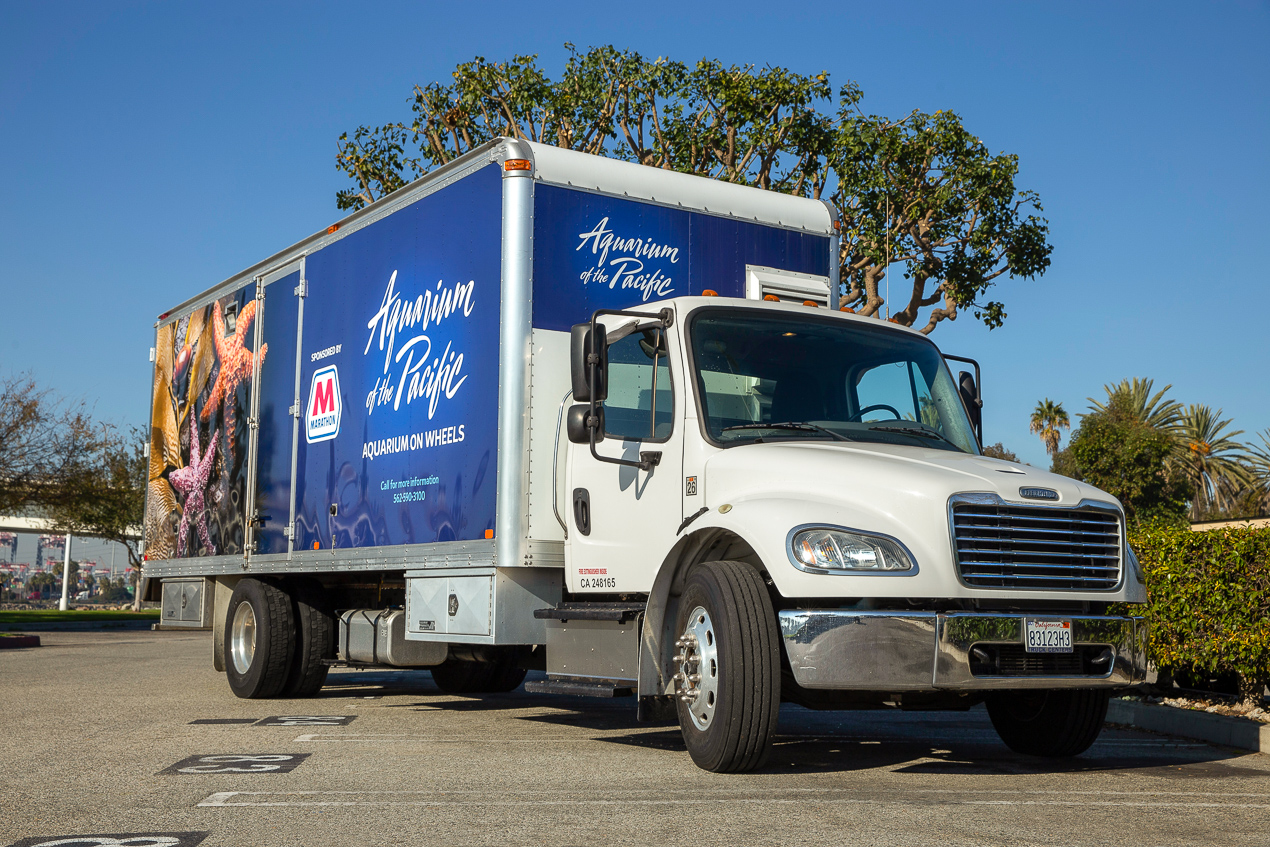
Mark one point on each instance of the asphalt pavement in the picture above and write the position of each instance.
(125, 733)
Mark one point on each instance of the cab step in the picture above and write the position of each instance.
(620, 612)
(578, 687)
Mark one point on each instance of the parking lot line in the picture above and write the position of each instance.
(1173, 799)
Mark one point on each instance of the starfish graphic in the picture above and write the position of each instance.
(236, 364)
(191, 482)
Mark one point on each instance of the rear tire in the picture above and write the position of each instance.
(469, 676)
(728, 684)
(1053, 724)
(315, 638)
(259, 639)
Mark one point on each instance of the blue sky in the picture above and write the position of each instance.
(153, 149)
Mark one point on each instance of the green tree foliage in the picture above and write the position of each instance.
(1048, 421)
(1116, 451)
(921, 192)
(1064, 464)
(1209, 610)
(999, 451)
(42, 583)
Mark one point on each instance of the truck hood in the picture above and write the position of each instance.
(765, 492)
(855, 474)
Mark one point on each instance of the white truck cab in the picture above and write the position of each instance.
(814, 479)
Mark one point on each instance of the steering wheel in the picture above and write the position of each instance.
(875, 407)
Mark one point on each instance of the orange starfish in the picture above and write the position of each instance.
(237, 363)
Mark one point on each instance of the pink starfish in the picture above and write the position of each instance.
(191, 482)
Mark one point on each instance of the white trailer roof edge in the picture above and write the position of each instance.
(568, 168)
(559, 166)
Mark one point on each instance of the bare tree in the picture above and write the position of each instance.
(44, 441)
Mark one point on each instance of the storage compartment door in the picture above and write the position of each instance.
(468, 605)
(274, 410)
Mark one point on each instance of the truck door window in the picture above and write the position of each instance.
(640, 404)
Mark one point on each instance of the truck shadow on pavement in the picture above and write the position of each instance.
(917, 743)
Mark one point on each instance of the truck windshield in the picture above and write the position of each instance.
(772, 376)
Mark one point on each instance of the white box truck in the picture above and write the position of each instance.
(545, 410)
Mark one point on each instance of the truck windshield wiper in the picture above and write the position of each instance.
(803, 427)
(910, 430)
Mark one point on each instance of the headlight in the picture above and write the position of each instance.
(840, 550)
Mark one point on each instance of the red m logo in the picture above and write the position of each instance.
(323, 397)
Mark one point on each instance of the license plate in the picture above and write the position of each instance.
(1047, 636)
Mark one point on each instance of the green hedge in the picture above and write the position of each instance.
(1209, 610)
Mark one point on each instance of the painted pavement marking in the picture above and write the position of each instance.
(210, 763)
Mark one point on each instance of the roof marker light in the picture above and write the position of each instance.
(518, 165)
(811, 303)
(771, 297)
(709, 292)
(330, 230)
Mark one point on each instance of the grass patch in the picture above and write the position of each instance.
(22, 616)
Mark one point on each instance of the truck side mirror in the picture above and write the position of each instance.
(576, 423)
(970, 399)
(580, 366)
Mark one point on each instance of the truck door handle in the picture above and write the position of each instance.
(582, 510)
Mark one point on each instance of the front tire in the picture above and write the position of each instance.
(259, 639)
(728, 684)
(1053, 724)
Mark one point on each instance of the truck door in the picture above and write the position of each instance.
(622, 520)
(273, 438)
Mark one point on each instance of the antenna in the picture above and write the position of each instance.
(887, 275)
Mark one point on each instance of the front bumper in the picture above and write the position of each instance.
(923, 651)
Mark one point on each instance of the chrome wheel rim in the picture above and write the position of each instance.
(697, 682)
(242, 637)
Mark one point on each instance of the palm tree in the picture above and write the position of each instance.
(1155, 411)
(1047, 419)
(1210, 460)
(1259, 468)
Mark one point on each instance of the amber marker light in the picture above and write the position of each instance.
(772, 298)
(330, 230)
(518, 165)
(489, 533)
(709, 292)
(811, 303)
(316, 545)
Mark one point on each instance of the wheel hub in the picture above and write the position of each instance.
(242, 637)
(697, 681)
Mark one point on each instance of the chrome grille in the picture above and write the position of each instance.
(1003, 546)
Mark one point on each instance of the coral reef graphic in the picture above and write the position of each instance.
(204, 366)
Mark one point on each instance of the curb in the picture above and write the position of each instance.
(76, 626)
(13, 642)
(1240, 733)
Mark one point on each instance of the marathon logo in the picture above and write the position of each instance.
(322, 414)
